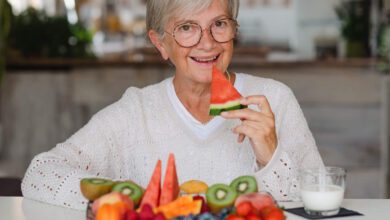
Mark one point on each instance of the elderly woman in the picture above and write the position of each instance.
(269, 140)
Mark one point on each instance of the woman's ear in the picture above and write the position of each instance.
(154, 38)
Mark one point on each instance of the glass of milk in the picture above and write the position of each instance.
(322, 190)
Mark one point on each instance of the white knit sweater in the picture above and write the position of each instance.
(125, 140)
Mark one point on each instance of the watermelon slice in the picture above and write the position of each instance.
(152, 193)
(170, 190)
(224, 97)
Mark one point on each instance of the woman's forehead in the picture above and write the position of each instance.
(190, 14)
(179, 21)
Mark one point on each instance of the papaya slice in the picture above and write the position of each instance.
(182, 206)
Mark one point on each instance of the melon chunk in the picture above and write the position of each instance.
(153, 191)
(224, 97)
(170, 190)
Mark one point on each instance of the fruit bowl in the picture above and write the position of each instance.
(257, 204)
(193, 199)
(89, 213)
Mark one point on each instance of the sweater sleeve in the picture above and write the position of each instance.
(54, 176)
(296, 150)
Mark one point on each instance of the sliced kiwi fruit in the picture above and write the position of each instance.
(220, 196)
(130, 189)
(93, 188)
(244, 184)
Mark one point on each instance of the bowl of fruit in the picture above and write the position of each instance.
(193, 199)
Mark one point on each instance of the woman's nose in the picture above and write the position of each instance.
(207, 40)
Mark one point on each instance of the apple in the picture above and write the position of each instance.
(108, 212)
(122, 202)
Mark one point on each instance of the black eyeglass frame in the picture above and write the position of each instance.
(201, 31)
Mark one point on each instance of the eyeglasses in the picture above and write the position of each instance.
(189, 34)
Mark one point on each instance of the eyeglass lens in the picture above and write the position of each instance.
(189, 34)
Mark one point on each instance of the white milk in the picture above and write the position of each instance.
(324, 198)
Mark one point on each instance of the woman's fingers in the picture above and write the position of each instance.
(263, 122)
(257, 125)
(243, 114)
(261, 101)
(240, 138)
(250, 114)
(245, 130)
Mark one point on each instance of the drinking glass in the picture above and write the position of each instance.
(322, 190)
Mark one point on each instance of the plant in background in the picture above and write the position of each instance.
(35, 34)
(353, 15)
(384, 46)
(5, 25)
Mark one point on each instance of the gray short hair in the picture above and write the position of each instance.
(158, 12)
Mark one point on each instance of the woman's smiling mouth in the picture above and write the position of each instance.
(205, 60)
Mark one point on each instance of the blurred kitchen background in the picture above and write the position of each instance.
(63, 60)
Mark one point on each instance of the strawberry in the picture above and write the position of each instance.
(234, 217)
(198, 197)
(243, 209)
(159, 216)
(272, 213)
(252, 216)
(205, 207)
(131, 215)
(264, 211)
(146, 212)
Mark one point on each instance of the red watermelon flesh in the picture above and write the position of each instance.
(152, 193)
(170, 190)
(224, 97)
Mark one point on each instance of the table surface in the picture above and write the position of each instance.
(18, 208)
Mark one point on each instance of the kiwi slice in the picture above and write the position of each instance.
(244, 184)
(130, 189)
(220, 196)
(93, 188)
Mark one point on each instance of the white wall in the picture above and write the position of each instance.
(315, 19)
(265, 25)
(296, 26)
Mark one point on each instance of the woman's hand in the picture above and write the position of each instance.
(259, 126)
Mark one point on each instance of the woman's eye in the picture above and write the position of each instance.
(185, 27)
(220, 23)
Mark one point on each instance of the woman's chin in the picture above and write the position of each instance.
(199, 79)
(205, 65)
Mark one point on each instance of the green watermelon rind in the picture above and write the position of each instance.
(217, 109)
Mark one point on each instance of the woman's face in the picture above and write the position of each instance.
(195, 63)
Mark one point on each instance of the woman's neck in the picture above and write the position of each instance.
(195, 98)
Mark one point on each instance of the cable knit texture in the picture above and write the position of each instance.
(125, 139)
